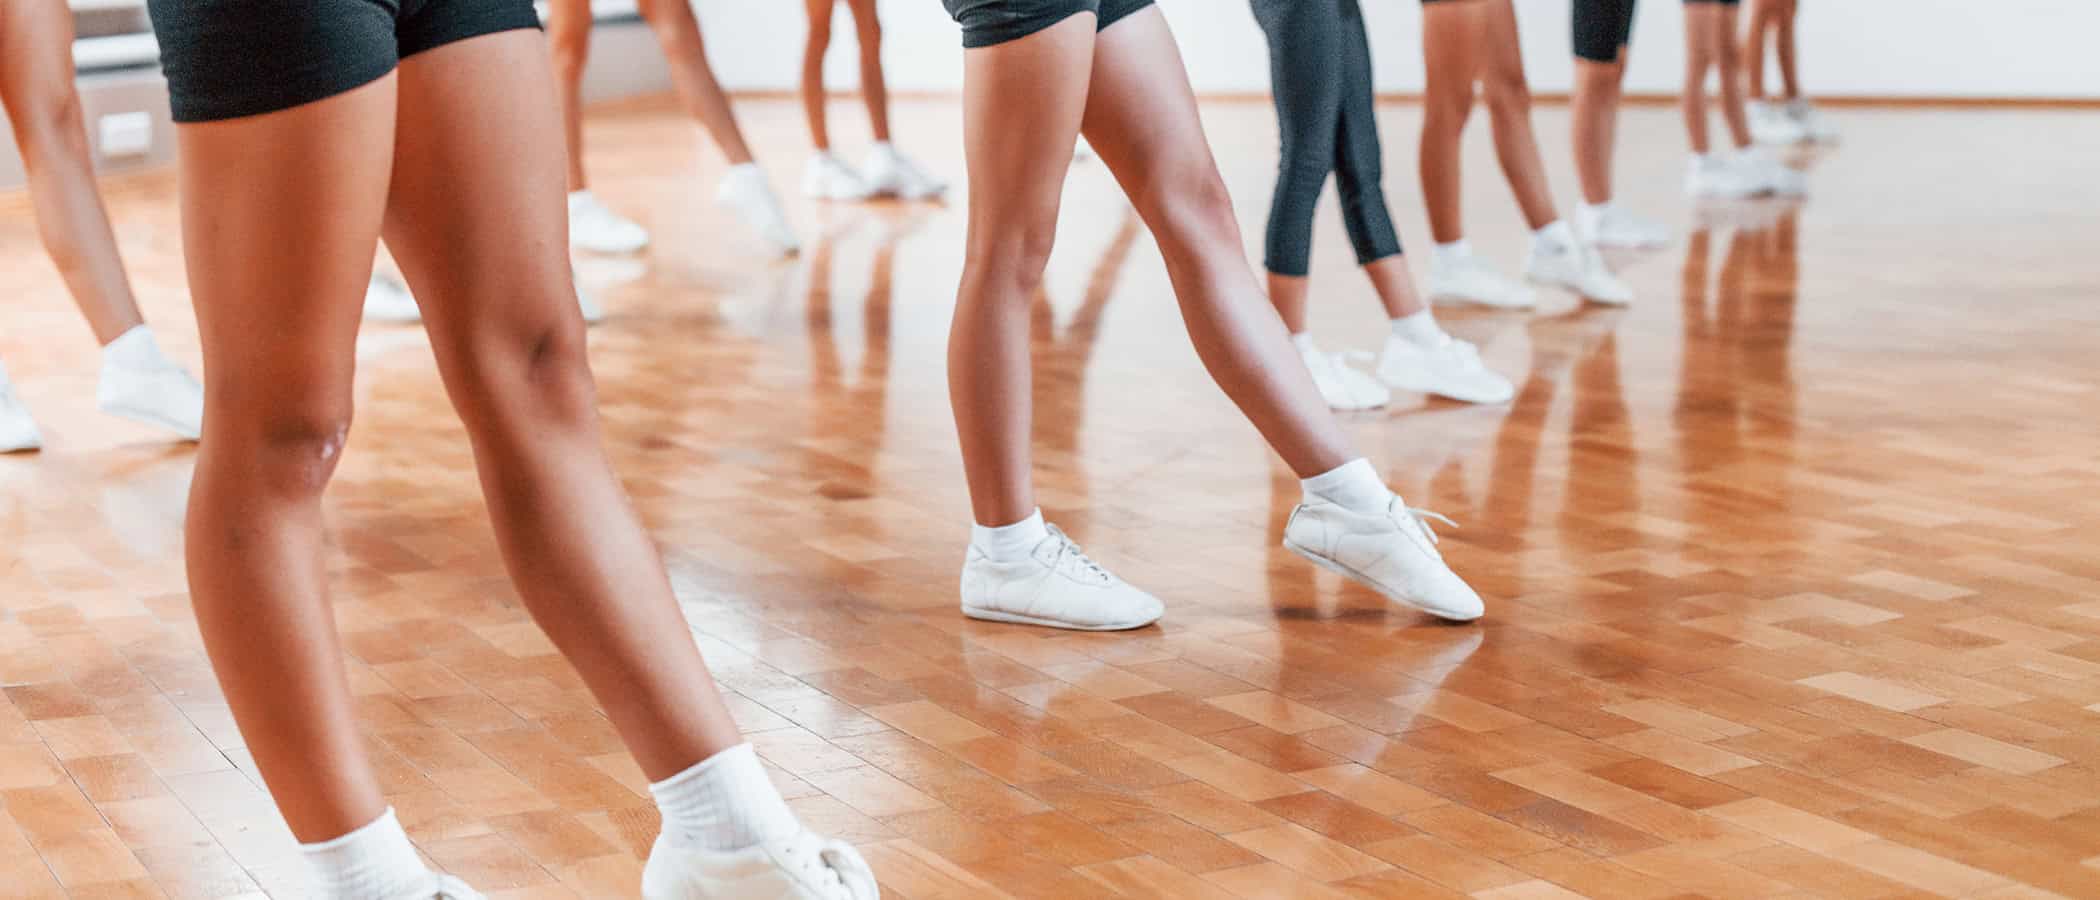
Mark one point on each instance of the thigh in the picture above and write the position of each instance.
(1304, 56)
(1502, 45)
(1022, 105)
(1141, 113)
(476, 218)
(1453, 36)
(36, 54)
(226, 59)
(278, 318)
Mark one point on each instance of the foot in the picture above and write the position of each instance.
(825, 177)
(801, 866)
(744, 191)
(387, 300)
(1055, 586)
(891, 174)
(588, 306)
(1470, 279)
(442, 887)
(1726, 177)
(1342, 385)
(1778, 178)
(1392, 552)
(17, 428)
(1770, 123)
(594, 227)
(1616, 228)
(155, 392)
(1813, 125)
(1575, 267)
(1447, 368)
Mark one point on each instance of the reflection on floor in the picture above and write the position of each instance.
(1790, 569)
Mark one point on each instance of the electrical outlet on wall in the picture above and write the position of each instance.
(124, 134)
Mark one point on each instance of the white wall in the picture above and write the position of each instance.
(1925, 48)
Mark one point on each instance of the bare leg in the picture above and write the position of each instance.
(479, 236)
(1595, 115)
(1395, 286)
(36, 87)
(1789, 73)
(569, 39)
(1509, 111)
(1734, 109)
(1700, 20)
(814, 45)
(1288, 294)
(678, 32)
(1452, 38)
(1141, 118)
(280, 322)
(1761, 14)
(1017, 155)
(874, 87)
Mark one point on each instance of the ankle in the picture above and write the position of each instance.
(374, 862)
(722, 803)
(1353, 485)
(1010, 543)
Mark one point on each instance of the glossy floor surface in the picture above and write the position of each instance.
(1791, 572)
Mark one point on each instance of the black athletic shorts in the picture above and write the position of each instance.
(1602, 29)
(988, 22)
(231, 58)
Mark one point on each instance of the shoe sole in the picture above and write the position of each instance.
(611, 249)
(989, 615)
(1475, 399)
(153, 419)
(1366, 580)
(1464, 300)
(1578, 292)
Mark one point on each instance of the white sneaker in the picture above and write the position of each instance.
(1451, 368)
(1471, 280)
(17, 428)
(1811, 122)
(1342, 385)
(1056, 586)
(1392, 552)
(1614, 227)
(891, 174)
(802, 866)
(157, 392)
(745, 192)
(587, 304)
(388, 300)
(1732, 176)
(442, 887)
(1776, 176)
(1578, 268)
(825, 177)
(595, 227)
(1770, 123)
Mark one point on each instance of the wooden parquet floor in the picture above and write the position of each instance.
(1791, 566)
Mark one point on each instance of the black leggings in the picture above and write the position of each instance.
(1320, 64)
(1602, 29)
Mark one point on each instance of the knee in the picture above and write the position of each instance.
(288, 450)
(1008, 261)
(1447, 107)
(49, 122)
(569, 44)
(1190, 204)
(533, 377)
(819, 38)
(1509, 96)
(869, 32)
(670, 19)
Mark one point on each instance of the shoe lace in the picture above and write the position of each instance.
(1068, 551)
(1462, 353)
(832, 867)
(1420, 517)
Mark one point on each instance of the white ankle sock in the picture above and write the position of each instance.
(1009, 543)
(724, 802)
(1555, 233)
(135, 349)
(1304, 342)
(375, 862)
(1450, 254)
(1353, 485)
(1419, 329)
